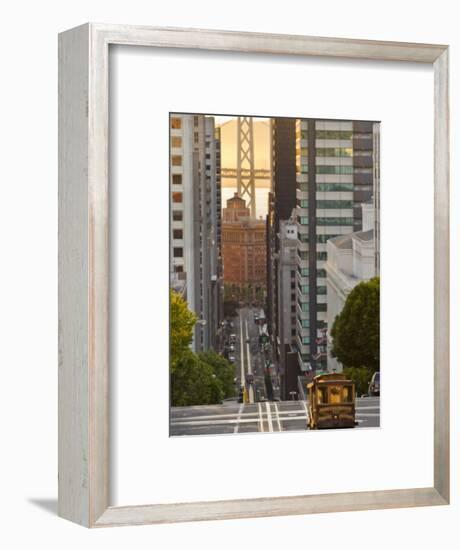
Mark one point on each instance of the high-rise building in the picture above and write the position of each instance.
(337, 170)
(243, 248)
(281, 203)
(285, 335)
(194, 255)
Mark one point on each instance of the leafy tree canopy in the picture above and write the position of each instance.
(361, 376)
(222, 369)
(356, 330)
(194, 383)
(182, 323)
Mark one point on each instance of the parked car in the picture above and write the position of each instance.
(374, 385)
(231, 358)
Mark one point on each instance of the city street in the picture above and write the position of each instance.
(268, 416)
(248, 357)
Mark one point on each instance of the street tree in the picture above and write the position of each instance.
(222, 369)
(182, 323)
(193, 382)
(356, 330)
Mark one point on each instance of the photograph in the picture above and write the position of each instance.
(274, 274)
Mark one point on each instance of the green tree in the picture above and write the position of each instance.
(361, 376)
(194, 383)
(222, 369)
(182, 323)
(356, 330)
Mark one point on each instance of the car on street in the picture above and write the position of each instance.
(231, 358)
(250, 378)
(374, 385)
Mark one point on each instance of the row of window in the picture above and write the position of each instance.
(334, 169)
(305, 306)
(334, 152)
(304, 272)
(336, 186)
(326, 204)
(334, 134)
(334, 221)
(334, 204)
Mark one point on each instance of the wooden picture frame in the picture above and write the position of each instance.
(84, 271)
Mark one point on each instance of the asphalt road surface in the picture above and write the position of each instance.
(248, 357)
(268, 416)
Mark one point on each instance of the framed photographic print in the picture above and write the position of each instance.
(254, 275)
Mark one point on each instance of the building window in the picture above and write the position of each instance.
(334, 169)
(303, 237)
(334, 221)
(176, 123)
(178, 252)
(176, 141)
(321, 273)
(177, 197)
(178, 234)
(321, 290)
(303, 220)
(176, 160)
(177, 215)
(179, 268)
(334, 186)
(321, 256)
(177, 179)
(321, 307)
(334, 204)
(334, 151)
(333, 134)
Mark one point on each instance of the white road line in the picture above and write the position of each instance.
(242, 352)
(238, 419)
(269, 417)
(306, 410)
(248, 360)
(278, 420)
(261, 420)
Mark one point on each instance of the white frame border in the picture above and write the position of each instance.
(84, 274)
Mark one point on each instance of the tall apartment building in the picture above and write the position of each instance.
(336, 165)
(194, 256)
(281, 203)
(243, 248)
(285, 336)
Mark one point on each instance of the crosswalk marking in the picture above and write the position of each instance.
(278, 420)
(269, 417)
(261, 420)
(238, 418)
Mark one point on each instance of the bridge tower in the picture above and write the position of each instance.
(245, 163)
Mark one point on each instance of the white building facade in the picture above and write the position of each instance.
(350, 261)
